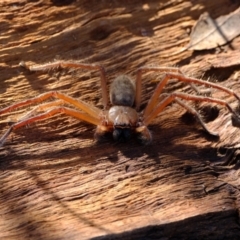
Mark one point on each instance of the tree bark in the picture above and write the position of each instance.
(58, 183)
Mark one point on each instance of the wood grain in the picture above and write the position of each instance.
(57, 183)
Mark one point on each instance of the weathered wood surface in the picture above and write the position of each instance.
(57, 183)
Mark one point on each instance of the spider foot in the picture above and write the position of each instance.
(23, 65)
(4, 137)
(213, 134)
(236, 120)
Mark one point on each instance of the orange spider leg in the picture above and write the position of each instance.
(72, 65)
(142, 70)
(157, 92)
(41, 108)
(50, 113)
(171, 97)
(93, 111)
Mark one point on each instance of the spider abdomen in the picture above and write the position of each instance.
(122, 91)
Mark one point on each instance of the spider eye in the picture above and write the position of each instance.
(121, 134)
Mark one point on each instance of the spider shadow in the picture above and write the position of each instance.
(129, 156)
(110, 150)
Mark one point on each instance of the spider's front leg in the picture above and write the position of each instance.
(165, 70)
(153, 100)
(169, 98)
(153, 108)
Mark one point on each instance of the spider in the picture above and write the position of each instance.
(121, 116)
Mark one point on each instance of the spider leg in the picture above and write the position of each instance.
(41, 108)
(175, 70)
(73, 65)
(171, 97)
(91, 110)
(197, 116)
(200, 91)
(48, 114)
(158, 90)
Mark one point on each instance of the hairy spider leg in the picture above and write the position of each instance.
(153, 100)
(142, 70)
(48, 114)
(173, 96)
(197, 116)
(91, 110)
(73, 65)
(41, 108)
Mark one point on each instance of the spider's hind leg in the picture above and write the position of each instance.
(197, 116)
(51, 112)
(73, 65)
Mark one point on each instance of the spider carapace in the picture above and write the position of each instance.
(122, 116)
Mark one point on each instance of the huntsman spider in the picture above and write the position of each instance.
(120, 115)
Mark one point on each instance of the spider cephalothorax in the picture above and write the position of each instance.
(122, 116)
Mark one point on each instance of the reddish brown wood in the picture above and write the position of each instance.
(57, 183)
